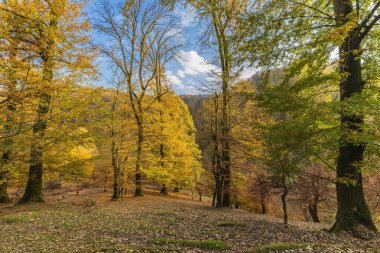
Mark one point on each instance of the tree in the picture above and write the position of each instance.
(173, 155)
(47, 26)
(222, 18)
(330, 96)
(144, 41)
(313, 188)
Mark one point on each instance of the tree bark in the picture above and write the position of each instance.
(352, 208)
(164, 189)
(7, 152)
(283, 199)
(33, 190)
(313, 209)
(263, 206)
(9, 125)
(140, 139)
(116, 193)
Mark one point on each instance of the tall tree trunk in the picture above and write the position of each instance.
(225, 141)
(7, 154)
(33, 190)
(283, 200)
(8, 127)
(352, 208)
(140, 139)
(116, 194)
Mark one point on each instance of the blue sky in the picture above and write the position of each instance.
(191, 68)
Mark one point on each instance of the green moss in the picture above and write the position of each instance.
(278, 247)
(15, 218)
(203, 244)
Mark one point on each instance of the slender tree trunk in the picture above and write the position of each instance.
(140, 139)
(263, 205)
(213, 199)
(352, 208)
(313, 209)
(164, 189)
(116, 194)
(283, 199)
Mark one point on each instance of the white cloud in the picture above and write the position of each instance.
(191, 71)
(247, 72)
(173, 79)
(193, 64)
(180, 73)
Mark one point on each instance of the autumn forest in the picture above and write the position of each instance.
(189, 126)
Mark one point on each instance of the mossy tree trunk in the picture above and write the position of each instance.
(352, 208)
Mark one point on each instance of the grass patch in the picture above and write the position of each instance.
(278, 247)
(231, 224)
(203, 244)
(15, 218)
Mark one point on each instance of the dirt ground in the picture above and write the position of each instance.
(90, 222)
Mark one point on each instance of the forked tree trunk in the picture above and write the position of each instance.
(352, 208)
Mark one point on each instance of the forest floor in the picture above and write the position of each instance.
(90, 222)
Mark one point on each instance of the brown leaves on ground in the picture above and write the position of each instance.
(133, 224)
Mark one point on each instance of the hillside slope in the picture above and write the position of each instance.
(157, 224)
